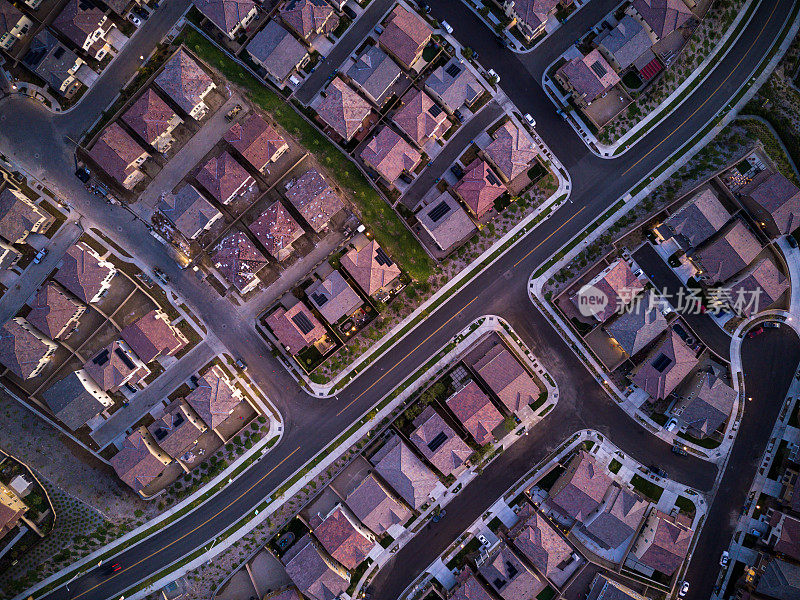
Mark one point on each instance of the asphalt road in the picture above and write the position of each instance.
(34, 138)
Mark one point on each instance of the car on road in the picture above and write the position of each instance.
(771, 324)
(241, 364)
(671, 425)
(531, 121)
(792, 241)
(679, 449)
(233, 112)
(658, 470)
(724, 559)
(684, 589)
(162, 277)
(493, 75)
(112, 568)
(40, 256)
(755, 332)
(447, 27)
(482, 539)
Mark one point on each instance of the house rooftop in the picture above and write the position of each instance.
(223, 177)
(778, 196)
(50, 59)
(397, 464)
(635, 329)
(669, 545)
(698, 219)
(446, 222)
(619, 519)
(511, 151)
(238, 259)
(333, 297)
(421, 118)
(343, 109)
(277, 50)
(509, 576)
(111, 366)
(277, 230)
(580, 490)
(454, 84)
(437, 442)
(115, 152)
(663, 16)
(390, 155)
(18, 216)
(152, 336)
(542, 545)
(534, 12)
(183, 80)
(468, 587)
(20, 350)
(480, 187)
(225, 14)
(371, 267)
(342, 539)
(779, 579)
(134, 463)
(149, 116)
(786, 531)
(375, 507)
(627, 41)
(315, 199)
(374, 71)
(310, 571)
(82, 272)
(78, 20)
(619, 285)
(52, 310)
(603, 588)
(405, 35)
(10, 15)
(758, 288)
(296, 328)
(476, 412)
(710, 406)
(507, 378)
(665, 367)
(590, 76)
(728, 253)
(309, 17)
(188, 210)
(176, 432)
(256, 140)
(214, 398)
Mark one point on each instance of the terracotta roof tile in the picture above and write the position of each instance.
(534, 12)
(343, 109)
(314, 199)
(183, 80)
(778, 196)
(225, 14)
(507, 378)
(476, 412)
(405, 35)
(580, 490)
(421, 118)
(311, 573)
(18, 216)
(539, 542)
(663, 16)
(20, 350)
(277, 230)
(620, 286)
(375, 507)
(710, 406)
(296, 328)
(584, 75)
(371, 267)
(112, 366)
(177, 431)
(509, 576)
(78, 20)
(224, 177)
(764, 281)
(214, 398)
(699, 219)
(149, 116)
(619, 519)
(669, 545)
(256, 140)
(309, 17)
(729, 253)
(342, 540)
(116, 151)
(153, 336)
(480, 187)
(390, 155)
(397, 464)
(511, 151)
(666, 367)
(237, 259)
(437, 442)
(134, 463)
(82, 272)
(468, 587)
(53, 311)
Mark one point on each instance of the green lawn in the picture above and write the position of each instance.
(615, 466)
(647, 488)
(685, 505)
(375, 212)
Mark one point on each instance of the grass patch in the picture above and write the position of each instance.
(777, 462)
(547, 593)
(357, 574)
(685, 505)
(647, 488)
(495, 524)
(615, 466)
(707, 442)
(548, 480)
(541, 400)
(458, 560)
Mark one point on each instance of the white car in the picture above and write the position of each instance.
(684, 589)
(723, 562)
(483, 540)
(447, 27)
(672, 424)
(493, 74)
(135, 20)
(531, 121)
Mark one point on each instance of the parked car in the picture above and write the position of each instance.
(446, 26)
(725, 559)
(771, 324)
(162, 277)
(679, 449)
(140, 12)
(492, 73)
(406, 178)
(755, 332)
(457, 171)
(671, 425)
(684, 589)
(658, 470)
(83, 174)
(233, 112)
(241, 364)
(792, 241)
(134, 19)
(40, 256)
(423, 6)
(531, 121)
(459, 117)
(484, 542)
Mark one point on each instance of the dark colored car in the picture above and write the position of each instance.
(457, 171)
(792, 241)
(83, 174)
(754, 332)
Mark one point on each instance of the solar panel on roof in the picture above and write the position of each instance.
(661, 363)
(319, 298)
(124, 358)
(303, 323)
(436, 442)
(382, 259)
(491, 178)
(453, 70)
(434, 110)
(598, 69)
(439, 211)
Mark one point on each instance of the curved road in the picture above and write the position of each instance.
(38, 141)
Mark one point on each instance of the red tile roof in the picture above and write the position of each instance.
(134, 463)
(149, 116)
(469, 587)
(18, 216)
(225, 14)
(277, 230)
(480, 187)
(20, 350)
(78, 20)
(511, 151)
(728, 254)
(620, 286)
(663, 16)
(397, 464)
(534, 12)
(666, 367)
(153, 336)
(507, 378)
(116, 151)
(405, 35)
(176, 432)
(448, 454)
(580, 490)
(376, 507)
(288, 326)
(764, 282)
(314, 199)
(81, 272)
(343, 109)
(183, 80)
(112, 367)
(224, 177)
(421, 118)
(787, 531)
(52, 310)
(778, 196)
(256, 140)
(372, 269)
(237, 259)
(311, 572)
(214, 398)
(477, 413)
(342, 540)
(390, 155)
(309, 17)
(539, 542)
(669, 545)
(584, 75)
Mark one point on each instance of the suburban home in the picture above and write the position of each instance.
(257, 141)
(224, 178)
(230, 16)
(635, 329)
(476, 412)
(61, 68)
(344, 538)
(119, 155)
(12, 509)
(153, 120)
(453, 85)
(774, 202)
(186, 84)
(580, 489)
(19, 217)
(333, 297)
(758, 288)
(189, 211)
(469, 587)
(177, 431)
(446, 222)
(296, 328)
(405, 36)
(727, 254)
(709, 406)
(626, 43)
(370, 267)
(140, 461)
(314, 199)
(82, 272)
(76, 399)
(508, 576)
(667, 365)
(376, 507)
(784, 535)
(603, 588)
(507, 378)
(153, 336)
(23, 350)
(120, 7)
(587, 77)
(438, 443)
(54, 312)
(114, 366)
(663, 542)
(618, 520)
(13, 24)
(34, 4)
(479, 188)
(238, 260)
(9, 256)
(313, 571)
(421, 118)
(89, 28)
(309, 18)
(660, 17)
(342, 109)
(397, 464)
(511, 151)
(214, 399)
(277, 230)
(620, 286)
(277, 51)
(390, 155)
(530, 16)
(374, 72)
(696, 221)
(779, 579)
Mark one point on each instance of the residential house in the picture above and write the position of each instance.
(257, 141)
(153, 120)
(580, 489)
(663, 542)
(9, 256)
(120, 7)
(315, 574)
(667, 365)
(76, 399)
(660, 17)
(333, 297)
(224, 178)
(618, 283)
(437, 442)
(532, 15)
(277, 51)
(189, 211)
(469, 587)
(376, 507)
(53, 312)
(619, 519)
(507, 378)
(13, 24)
(696, 221)
(296, 328)
(371, 268)
(342, 109)
(277, 230)
(454, 85)
(344, 538)
(727, 254)
(476, 412)
(397, 464)
(153, 336)
(625, 43)
(20, 217)
(89, 28)
(309, 18)
(587, 77)
(405, 36)
(374, 72)
(238, 260)
(784, 535)
(177, 431)
(446, 222)
(509, 577)
(603, 588)
(758, 288)
(635, 329)
(12, 509)
(140, 461)
(421, 118)
(479, 188)
(774, 201)
(214, 399)
(82, 272)
(119, 155)
(780, 580)
(60, 67)
(709, 406)
(23, 350)
(314, 199)
(114, 366)
(230, 16)
(390, 155)
(186, 84)
(511, 152)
